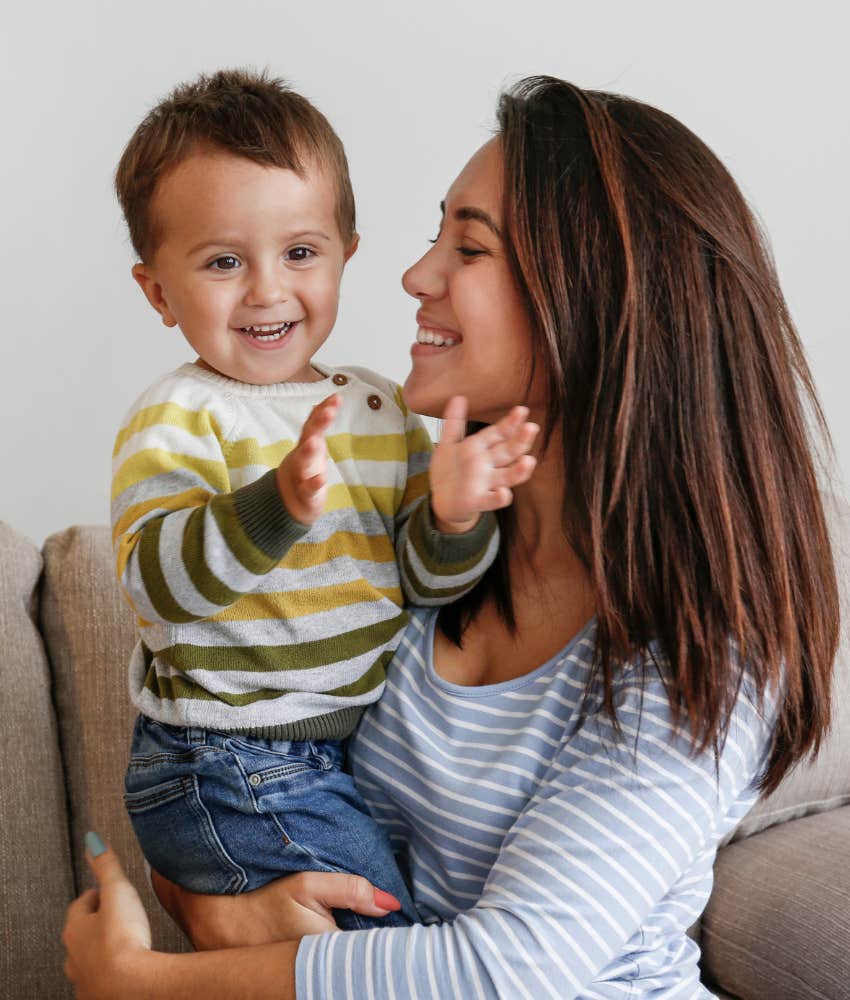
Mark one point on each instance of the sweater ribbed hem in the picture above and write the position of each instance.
(333, 726)
(447, 548)
(264, 518)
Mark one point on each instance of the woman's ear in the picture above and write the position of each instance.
(154, 293)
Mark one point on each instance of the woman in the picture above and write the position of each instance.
(558, 755)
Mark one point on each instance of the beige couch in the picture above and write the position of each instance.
(777, 925)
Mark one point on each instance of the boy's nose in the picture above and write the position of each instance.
(267, 287)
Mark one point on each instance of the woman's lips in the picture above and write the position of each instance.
(434, 340)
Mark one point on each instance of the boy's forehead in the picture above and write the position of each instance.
(209, 189)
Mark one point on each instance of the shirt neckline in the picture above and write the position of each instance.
(320, 388)
(491, 690)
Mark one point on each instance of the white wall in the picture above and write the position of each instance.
(411, 89)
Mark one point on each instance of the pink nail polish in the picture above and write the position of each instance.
(385, 901)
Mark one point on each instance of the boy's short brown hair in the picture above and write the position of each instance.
(239, 111)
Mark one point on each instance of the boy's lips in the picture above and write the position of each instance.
(268, 335)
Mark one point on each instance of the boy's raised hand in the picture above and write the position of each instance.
(470, 475)
(302, 475)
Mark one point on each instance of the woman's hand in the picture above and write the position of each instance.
(283, 910)
(107, 935)
(470, 475)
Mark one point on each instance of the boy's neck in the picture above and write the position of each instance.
(317, 375)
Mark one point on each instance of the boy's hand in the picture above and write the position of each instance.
(472, 474)
(302, 475)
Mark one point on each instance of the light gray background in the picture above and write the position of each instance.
(411, 89)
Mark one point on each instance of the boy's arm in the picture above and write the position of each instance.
(187, 545)
(441, 558)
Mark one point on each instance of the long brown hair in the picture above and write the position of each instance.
(678, 382)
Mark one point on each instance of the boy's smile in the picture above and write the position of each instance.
(248, 264)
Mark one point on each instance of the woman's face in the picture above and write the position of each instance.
(469, 301)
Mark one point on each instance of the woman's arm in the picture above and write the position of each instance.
(107, 936)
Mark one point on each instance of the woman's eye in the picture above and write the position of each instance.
(225, 263)
(469, 252)
(299, 254)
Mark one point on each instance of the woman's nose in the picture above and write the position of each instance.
(424, 279)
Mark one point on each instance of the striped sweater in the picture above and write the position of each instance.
(248, 620)
(548, 858)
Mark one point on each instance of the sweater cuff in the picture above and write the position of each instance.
(453, 553)
(264, 518)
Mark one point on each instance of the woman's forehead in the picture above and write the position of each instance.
(479, 184)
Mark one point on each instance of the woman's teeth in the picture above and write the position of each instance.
(437, 339)
(269, 332)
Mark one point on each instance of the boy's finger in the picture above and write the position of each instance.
(515, 474)
(503, 453)
(320, 417)
(454, 421)
(310, 459)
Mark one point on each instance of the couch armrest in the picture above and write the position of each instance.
(778, 921)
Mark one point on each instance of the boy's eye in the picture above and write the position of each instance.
(226, 263)
(300, 254)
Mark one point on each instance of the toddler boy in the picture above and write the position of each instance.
(268, 564)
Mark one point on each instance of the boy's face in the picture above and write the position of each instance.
(248, 265)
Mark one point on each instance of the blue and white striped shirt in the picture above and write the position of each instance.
(547, 857)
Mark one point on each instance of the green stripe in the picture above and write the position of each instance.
(192, 554)
(443, 593)
(179, 686)
(292, 656)
(444, 554)
(154, 579)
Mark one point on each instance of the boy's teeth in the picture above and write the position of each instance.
(270, 331)
(437, 339)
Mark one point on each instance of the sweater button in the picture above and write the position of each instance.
(374, 402)
(339, 379)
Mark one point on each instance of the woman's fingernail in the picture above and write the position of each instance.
(385, 901)
(94, 845)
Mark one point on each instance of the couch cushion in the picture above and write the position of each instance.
(778, 921)
(825, 783)
(35, 865)
(88, 631)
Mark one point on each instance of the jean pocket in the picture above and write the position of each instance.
(178, 837)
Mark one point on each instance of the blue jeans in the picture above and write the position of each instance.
(221, 813)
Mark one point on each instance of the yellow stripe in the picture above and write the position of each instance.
(296, 604)
(341, 447)
(197, 422)
(179, 501)
(384, 499)
(398, 396)
(374, 548)
(157, 461)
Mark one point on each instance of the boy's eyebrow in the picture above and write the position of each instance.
(233, 241)
(469, 212)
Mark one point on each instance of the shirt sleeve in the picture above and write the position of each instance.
(613, 827)
(435, 567)
(186, 544)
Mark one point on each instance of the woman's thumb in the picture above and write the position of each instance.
(103, 861)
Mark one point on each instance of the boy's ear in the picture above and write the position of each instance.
(153, 292)
(352, 246)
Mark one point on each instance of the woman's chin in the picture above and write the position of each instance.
(423, 399)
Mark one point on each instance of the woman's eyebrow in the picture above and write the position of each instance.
(468, 212)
